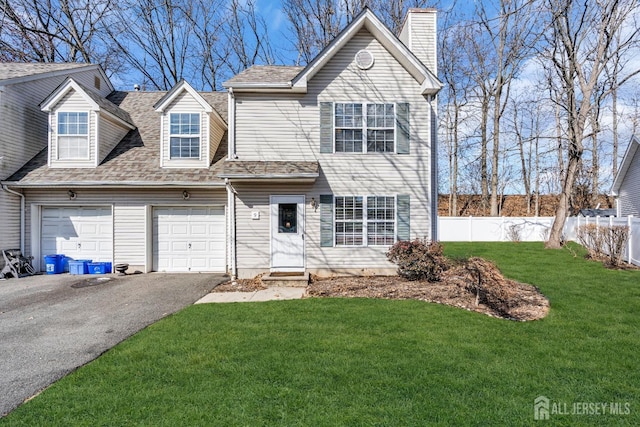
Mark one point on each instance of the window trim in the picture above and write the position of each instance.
(184, 135)
(87, 135)
(365, 128)
(365, 221)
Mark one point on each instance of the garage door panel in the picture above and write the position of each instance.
(183, 238)
(179, 229)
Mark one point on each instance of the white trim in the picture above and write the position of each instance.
(298, 199)
(365, 221)
(57, 95)
(97, 159)
(88, 135)
(365, 128)
(150, 240)
(369, 21)
(170, 96)
(62, 72)
(36, 226)
(185, 135)
(231, 136)
(625, 164)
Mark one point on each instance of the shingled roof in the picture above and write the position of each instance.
(264, 74)
(236, 169)
(107, 105)
(13, 70)
(136, 159)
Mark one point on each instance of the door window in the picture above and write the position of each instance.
(287, 218)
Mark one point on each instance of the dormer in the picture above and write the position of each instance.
(83, 126)
(190, 128)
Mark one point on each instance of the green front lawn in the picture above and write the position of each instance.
(329, 362)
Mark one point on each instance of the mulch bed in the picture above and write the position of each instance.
(459, 286)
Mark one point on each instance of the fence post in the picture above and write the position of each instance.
(502, 229)
(629, 242)
(471, 228)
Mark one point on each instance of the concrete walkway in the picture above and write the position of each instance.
(269, 294)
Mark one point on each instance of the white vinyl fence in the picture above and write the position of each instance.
(529, 229)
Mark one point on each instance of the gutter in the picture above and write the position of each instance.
(115, 184)
(313, 175)
(22, 214)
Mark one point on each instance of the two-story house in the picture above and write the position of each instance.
(23, 127)
(294, 169)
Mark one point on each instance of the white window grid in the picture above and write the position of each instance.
(184, 135)
(73, 135)
(365, 221)
(364, 127)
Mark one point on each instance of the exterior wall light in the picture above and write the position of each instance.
(186, 195)
(72, 195)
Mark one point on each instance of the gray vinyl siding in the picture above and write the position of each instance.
(629, 193)
(185, 103)
(287, 127)
(72, 102)
(216, 132)
(23, 126)
(87, 79)
(419, 35)
(110, 134)
(10, 209)
(23, 134)
(131, 210)
(130, 229)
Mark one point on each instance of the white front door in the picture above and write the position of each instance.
(287, 233)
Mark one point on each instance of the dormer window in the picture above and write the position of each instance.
(184, 135)
(73, 135)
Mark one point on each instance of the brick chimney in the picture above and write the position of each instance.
(418, 33)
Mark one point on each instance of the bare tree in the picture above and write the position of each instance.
(579, 43)
(511, 34)
(57, 31)
(454, 73)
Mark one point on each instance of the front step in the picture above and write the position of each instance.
(298, 280)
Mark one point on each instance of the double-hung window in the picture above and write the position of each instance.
(381, 220)
(349, 221)
(73, 135)
(364, 127)
(365, 221)
(184, 135)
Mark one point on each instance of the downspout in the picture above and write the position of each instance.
(22, 214)
(231, 202)
(434, 167)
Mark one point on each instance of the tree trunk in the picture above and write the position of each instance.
(484, 181)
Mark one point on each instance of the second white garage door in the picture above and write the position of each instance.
(189, 239)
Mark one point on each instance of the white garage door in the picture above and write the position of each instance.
(78, 232)
(189, 239)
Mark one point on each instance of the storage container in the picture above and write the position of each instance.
(99, 267)
(79, 266)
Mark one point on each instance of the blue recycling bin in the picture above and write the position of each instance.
(53, 264)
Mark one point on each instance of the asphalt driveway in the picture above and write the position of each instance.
(52, 324)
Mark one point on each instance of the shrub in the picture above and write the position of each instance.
(604, 242)
(590, 236)
(418, 259)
